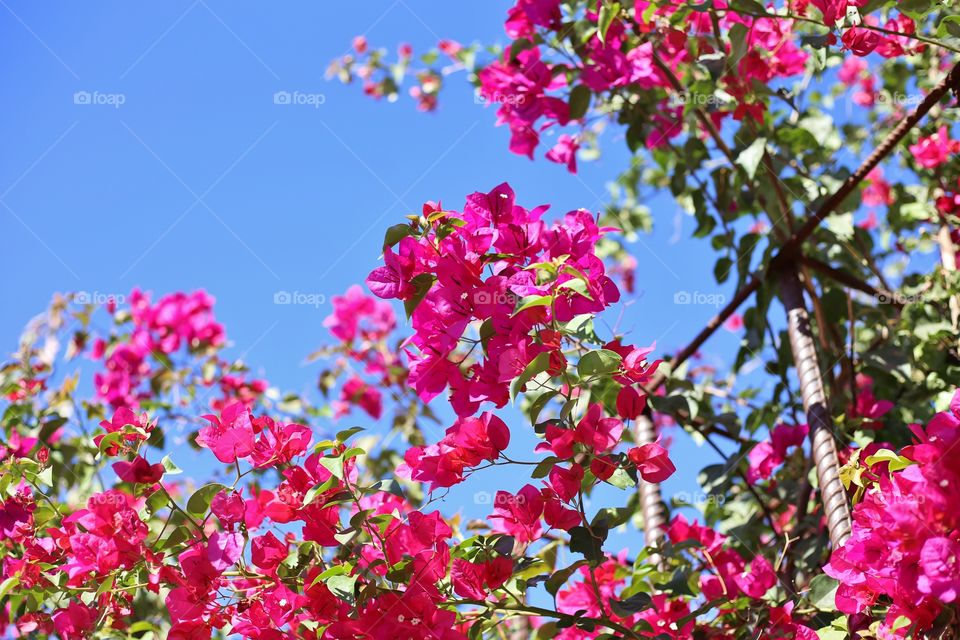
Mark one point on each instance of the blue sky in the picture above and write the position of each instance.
(198, 180)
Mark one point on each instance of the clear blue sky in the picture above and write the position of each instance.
(198, 180)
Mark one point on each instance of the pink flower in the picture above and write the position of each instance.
(770, 454)
(734, 323)
(832, 10)
(356, 314)
(878, 191)
(565, 152)
(229, 507)
(278, 443)
(466, 444)
(76, 621)
(851, 70)
(940, 567)
(860, 41)
(599, 434)
(360, 44)
(230, 436)
(903, 546)
(559, 441)
(867, 407)
(566, 482)
(367, 397)
(932, 151)
(630, 403)
(519, 515)
(267, 552)
(475, 580)
(139, 471)
(224, 549)
(653, 462)
(556, 515)
(756, 581)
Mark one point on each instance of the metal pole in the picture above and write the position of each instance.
(823, 447)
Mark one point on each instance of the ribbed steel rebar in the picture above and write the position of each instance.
(651, 501)
(823, 448)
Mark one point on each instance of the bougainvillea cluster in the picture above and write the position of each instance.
(904, 546)
(305, 532)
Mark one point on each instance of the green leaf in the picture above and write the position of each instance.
(559, 578)
(895, 462)
(396, 233)
(346, 434)
(538, 405)
(578, 285)
(537, 365)
(421, 285)
(110, 440)
(543, 469)
(8, 584)
(751, 6)
(721, 270)
(750, 157)
(949, 26)
(634, 604)
(533, 301)
(199, 502)
(608, 13)
(319, 489)
(579, 101)
(106, 585)
(599, 362)
(170, 468)
(738, 44)
(343, 587)
(582, 541)
(823, 592)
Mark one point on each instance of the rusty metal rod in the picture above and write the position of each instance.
(823, 448)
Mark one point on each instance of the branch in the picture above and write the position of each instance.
(849, 280)
(788, 252)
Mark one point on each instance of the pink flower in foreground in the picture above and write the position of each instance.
(139, 471)
(466, 444)
(904, 546)
(229, 436)
(76, 621)
(518, 515)
(653, 462)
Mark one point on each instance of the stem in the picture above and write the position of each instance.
(530, 610)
